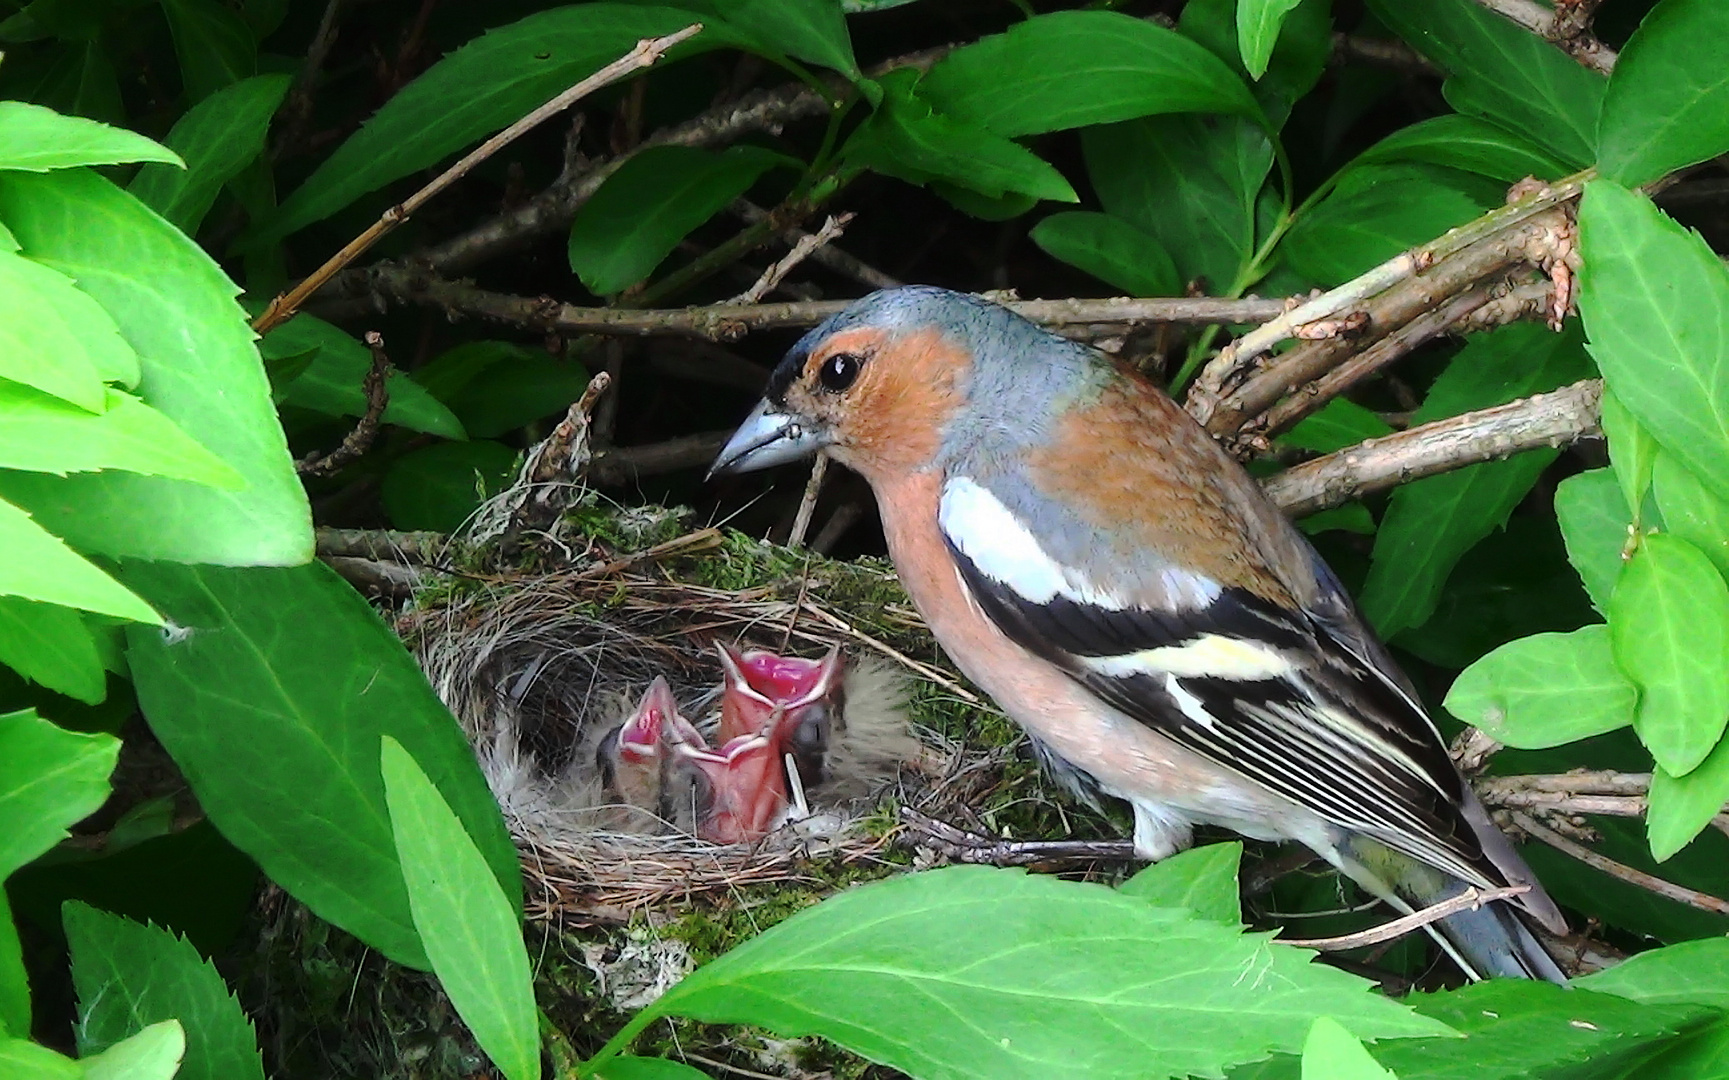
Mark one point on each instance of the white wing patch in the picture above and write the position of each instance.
(1189, 704)
(1005, 551)
(1213, 656)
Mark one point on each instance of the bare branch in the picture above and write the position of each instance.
(358, 441)
(1649, 882)
(807, 245)
(1469, 900)
(969, 847)
(830, 256)
(1567, 25)
(1557, 418)
(382, 544)
(807, 504)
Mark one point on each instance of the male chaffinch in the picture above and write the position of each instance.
(1092, 559)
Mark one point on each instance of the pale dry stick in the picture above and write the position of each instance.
(1650, 883)
(1554, 26)
(804, 248)
(807, 505)
(832, 257)
(1240, 354)
(644, 54)
(1558, 418)
(1469, 900)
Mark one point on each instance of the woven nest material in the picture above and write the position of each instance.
(528, 662)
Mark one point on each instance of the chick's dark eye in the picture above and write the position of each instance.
(838, 371)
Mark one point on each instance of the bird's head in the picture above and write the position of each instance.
(903, 376)
(797, 700)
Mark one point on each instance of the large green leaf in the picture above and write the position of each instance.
(152, 1054)
(625, 1067)
(214, 45)
(1190, 182)
(1119, 987)
(477, 90)
(35, 139)
(1332, 1053)
(1074, 68)
(277, 730)
(1633, 451)
(906, 139)
(1504, 73)
(1669, 624)
(1545, 690)
(1693, 972)
(218, 137)
(1201, 881)
(471, 930)
(1668, 103)
(38, 565)
(1377, 211)
(651, 203)
(38, 346)
(1339, 423)
(50, 645)
(97, 340)
(1299, 55)
(1594, 521)
(1110, 249)
(14, 981)
(176, 308)
(39, 433)
(1430, 524)
(1691, 510)
(813, 30)
(1655, 300)
(1681, 806)
(130, 976)
(1467, 143)
(495, 387)
(50, 779)
(21, 1059)
(333, 368)
(1258, 23)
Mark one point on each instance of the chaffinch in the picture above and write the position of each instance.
(808, 693)
(645, 784)
(1093, 560)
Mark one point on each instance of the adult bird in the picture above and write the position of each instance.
(1092, 559)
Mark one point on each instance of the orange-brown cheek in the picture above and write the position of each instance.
(894, 416)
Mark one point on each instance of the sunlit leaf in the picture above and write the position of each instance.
(1668, 102)
(35, 139)
(1545, 690)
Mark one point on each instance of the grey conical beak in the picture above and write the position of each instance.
(769, 437)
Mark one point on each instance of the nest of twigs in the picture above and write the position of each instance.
(526, 660)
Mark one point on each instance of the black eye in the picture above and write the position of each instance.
(839, 371)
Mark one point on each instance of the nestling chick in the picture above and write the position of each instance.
(810, 693)
(1088, 555)
(646, 784)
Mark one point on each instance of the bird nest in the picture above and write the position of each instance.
(528, 660)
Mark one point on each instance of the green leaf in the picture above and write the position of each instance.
(1074, 68)
(1545, 690)
(1258, 23)
(1669, 624)
(1201, 881)
(905, 139)
(251, 705)
(1504, 73)
(38, 565)
(1632, 450)
(1516, 1029)
(332, 380)
(1466, 143)
(176, 308)
(471, 930)
(21, 1059)
(1189, 182)
(1594, 522)
(14, 981)
(1681, 806)
(98, 338)
(813, 30)
(1668, 102)
(1339, 423)
(1351, 517)
(130, 976)
(1691, 510)
(214, 45)
(1120, 987)
(1377, 211)
(1332, 1053)
(153, 1054)
(35, 139)
(1430, 524)
(651, 203)
(40, 433)
(51, 646)
(1655, 300)
(438, 488)
(1010, 204)
(495, 387)
(1693, 972)
(38, 347)
(475, 91)
(624, 1067)
(1299, 54)
(50, 779)
(219, 137)
(1111, 250)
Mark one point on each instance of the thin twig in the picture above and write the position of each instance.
(970, 847)
(1649, 882)
(621, 466)
(358, 441)
(806, 246)
(1558, 418)
(832, 257)
(807, 505)
(645, 53)
(411, 547)
(1469, 900)
(1573, 36)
